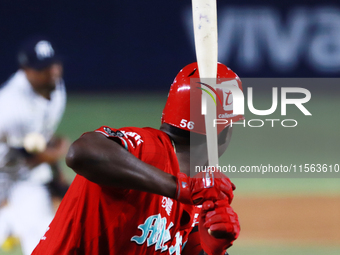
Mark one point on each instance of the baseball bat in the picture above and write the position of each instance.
(204, 14)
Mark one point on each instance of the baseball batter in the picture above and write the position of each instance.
(32, 103)
(132, 193)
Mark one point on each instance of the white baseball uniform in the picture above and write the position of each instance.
(23, 111)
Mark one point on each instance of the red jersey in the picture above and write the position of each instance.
(98, 220)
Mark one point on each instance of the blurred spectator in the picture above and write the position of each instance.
(32, 103)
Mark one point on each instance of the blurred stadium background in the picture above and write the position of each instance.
(121, 57)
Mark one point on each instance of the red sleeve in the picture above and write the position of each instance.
(150, 145)
(130, 140)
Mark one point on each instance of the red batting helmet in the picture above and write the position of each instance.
(183, 107)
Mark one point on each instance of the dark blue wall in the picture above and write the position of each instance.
(141, 45)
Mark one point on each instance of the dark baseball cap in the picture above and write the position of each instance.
(37, 53)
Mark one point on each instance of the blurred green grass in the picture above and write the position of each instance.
(314, 140)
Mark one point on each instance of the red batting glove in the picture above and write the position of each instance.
(222, 222)
(191, 190)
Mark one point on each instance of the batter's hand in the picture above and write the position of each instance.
(190, 190)
(218, 227)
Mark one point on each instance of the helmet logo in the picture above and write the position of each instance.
(227, 100)
(207, 91)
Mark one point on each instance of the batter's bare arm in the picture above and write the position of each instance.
(105, 162)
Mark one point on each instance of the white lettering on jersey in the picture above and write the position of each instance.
(177, 247)
(167, 204)
(136, 136)
(155, 232)
(195, 220)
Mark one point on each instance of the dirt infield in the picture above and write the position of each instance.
(289, 220)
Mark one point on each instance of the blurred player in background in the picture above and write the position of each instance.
(133, 195)
(32, 103)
